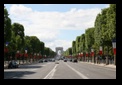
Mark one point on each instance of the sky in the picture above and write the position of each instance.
(57, 25)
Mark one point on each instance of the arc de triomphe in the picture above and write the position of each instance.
(59, 51)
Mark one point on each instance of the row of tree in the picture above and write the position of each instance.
(16, 41)
(102, 34)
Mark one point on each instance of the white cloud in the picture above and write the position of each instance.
(46, 25)
(107, 5)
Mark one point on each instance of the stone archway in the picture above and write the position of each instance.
(59, 52)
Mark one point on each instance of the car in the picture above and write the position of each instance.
(56, 62)
(65, 60)
(41, 61)
(70, 60)
(45, 60)
(75, 60)
(13, 64)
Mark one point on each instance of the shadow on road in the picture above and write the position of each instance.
(16, 74)
(29, 66)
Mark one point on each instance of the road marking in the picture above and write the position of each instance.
(80, 74)
(51, 73)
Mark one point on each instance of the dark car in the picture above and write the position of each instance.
(65, 60)
(41, 61)
(45, 60)
(75, 60)
(13, 64)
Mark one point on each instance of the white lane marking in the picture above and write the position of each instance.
(51, 73)
(80, 74)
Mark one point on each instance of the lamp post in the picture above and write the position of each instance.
(6, 51)
(81, 56)
(92, 54)
(26, 54)
(38, 56)
(34, 57)
(86, 59)
(18, 55)
(114, 49)
(100, 54)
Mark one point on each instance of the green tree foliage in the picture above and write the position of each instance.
(18, 30)
(18, 36)
(78, 44)
(70, 50)
(42, 45)
(46, 51)
(82, 43)
(74, 47)
(89, 38)
(34, 44)
(105, 27)
(7, 26)
(101, 34)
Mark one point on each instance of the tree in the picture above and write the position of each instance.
(74, 48)
(7, 26)
(89, 38)
(78, 44)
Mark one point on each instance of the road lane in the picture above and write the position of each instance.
(63, 70)
(36, 71)
(79, 73)
(93, 71)
(51, 73)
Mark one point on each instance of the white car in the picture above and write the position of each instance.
(56, 62)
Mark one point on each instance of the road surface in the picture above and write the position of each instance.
(63, 70)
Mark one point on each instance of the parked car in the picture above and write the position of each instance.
(75, 60)
(45, 60)
(41, 61)
(65, 60)
(13, 64)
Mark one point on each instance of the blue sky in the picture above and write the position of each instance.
(57, 25)
(60, 7)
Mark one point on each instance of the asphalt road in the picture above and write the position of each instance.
(63, 70)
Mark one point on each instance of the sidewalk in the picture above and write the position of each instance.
(109, 65)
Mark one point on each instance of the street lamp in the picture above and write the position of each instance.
(18, 56)
(26, 54)
(92, 54)
(6, 51)
(114, 49)
(86, 56)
